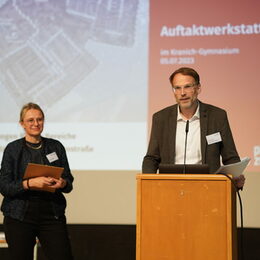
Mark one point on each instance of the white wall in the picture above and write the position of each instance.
(110, 198)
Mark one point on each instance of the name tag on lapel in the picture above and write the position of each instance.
(52, 157)
(213, 138)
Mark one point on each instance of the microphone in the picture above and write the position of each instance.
(187, 127)
(185, 148)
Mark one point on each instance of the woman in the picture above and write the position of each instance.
(30, 211)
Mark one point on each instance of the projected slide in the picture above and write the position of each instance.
(100, 69)
(221, 41)
(85, 63)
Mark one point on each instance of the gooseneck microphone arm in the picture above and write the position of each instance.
(185, 148)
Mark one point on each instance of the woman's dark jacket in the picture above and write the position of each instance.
(15, 160)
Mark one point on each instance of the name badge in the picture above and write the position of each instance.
(52, 157)
(213, 138)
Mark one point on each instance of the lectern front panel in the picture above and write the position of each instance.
(184, 218)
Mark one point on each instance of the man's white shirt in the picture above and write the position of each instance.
(193, 151)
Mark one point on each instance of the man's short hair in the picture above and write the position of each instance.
(186, 71)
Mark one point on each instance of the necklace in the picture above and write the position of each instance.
(34, 146)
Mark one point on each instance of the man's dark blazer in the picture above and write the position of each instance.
(161, 147)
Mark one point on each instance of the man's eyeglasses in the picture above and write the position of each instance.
(187, 88)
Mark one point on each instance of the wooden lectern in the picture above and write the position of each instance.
(185, 217)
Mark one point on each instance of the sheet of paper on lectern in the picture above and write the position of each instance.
(235, 169)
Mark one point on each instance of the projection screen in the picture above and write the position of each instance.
(99, 69)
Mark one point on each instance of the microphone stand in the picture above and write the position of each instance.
(185, 148)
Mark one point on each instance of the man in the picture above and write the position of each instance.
(209, 136)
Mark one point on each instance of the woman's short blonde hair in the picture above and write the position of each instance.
(27, 107)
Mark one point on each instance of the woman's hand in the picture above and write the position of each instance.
(58, 183)
(43, 182)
